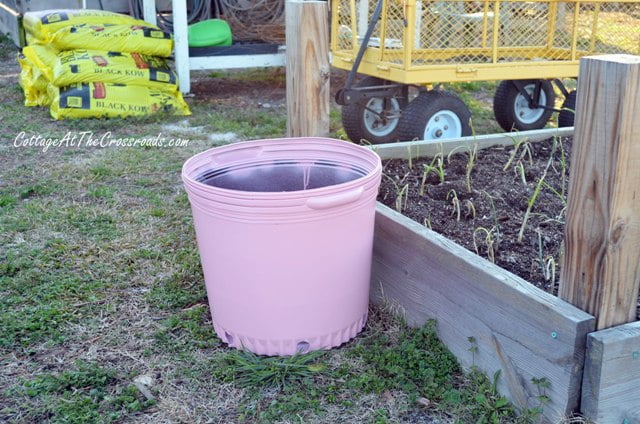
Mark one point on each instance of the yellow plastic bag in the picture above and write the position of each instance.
(43, 24)
(43, 57)
(33, 83)
(118, 38)
(104, 100)
(74, 66)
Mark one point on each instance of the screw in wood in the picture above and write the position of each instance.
(554, 335)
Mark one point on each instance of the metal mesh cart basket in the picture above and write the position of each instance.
(530, 46)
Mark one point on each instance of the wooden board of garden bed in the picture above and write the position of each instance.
(486, 315)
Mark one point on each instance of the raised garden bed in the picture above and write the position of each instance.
(505, 203)
(479, 199)
(486, 315)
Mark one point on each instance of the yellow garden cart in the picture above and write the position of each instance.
(529, 45)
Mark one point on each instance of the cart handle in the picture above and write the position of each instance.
(365, 43)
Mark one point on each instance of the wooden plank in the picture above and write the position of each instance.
(308, 69)
(519, 329)
(601, 272)
(610, 389)
(429, 148)
(11, 25)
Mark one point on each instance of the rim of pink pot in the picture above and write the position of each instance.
(196, 164)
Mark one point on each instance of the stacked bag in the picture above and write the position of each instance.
(94, 63)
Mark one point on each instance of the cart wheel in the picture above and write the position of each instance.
(435, 115)
(374, 120)
(512, 110)
(566, 116)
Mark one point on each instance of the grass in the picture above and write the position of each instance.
(100, 283)
(84, 393)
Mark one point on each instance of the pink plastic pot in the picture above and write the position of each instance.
(285, 232)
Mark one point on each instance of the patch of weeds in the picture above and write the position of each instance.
(279, 388)
(100, 192)
(249, 123)
(291, 405)
(381, 416)
(157, 212)
(92, 223)
(101, 172)
(249, 370)
(185, 287)
(31, 323)
(335, 122)
(478, 401)
(188, 330)
(418, 364)
(176, 293)
(39, 294)
(87, 393)
(36, 190)
(7, 201)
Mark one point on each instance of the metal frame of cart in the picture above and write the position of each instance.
(529, 45)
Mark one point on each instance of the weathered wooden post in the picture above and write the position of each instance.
(307, 32)
(601, 271)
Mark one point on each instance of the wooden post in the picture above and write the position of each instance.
(610, 390)
(307, 31)
(601, 272)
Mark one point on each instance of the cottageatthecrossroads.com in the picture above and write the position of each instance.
(89, 139)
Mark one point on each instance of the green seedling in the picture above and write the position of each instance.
(437, 167)
(557, 143)
(549, 268)
(521, 149)
(470, 209)
(473, 155)
(427, 221)
(542, 384)
(402, 195)
(473, 348)
(519, 170)
(494, 405)
(455, 203)
(401, 192)
(410, 153)
(536, 193)
(489, 241)
(563, 169)
(547, 263)
(494, 215)
(556, 192)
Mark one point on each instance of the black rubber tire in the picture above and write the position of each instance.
(416, 116)
(566, 117)
(504, 102)
(353, 117)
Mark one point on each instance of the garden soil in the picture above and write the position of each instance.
(488, 217)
